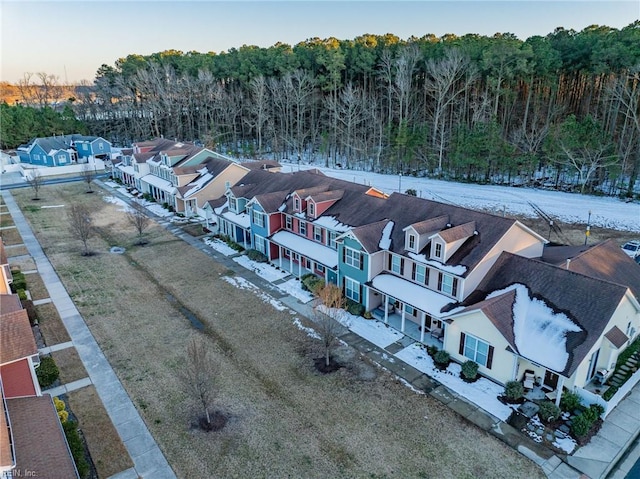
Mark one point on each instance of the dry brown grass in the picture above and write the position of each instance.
(69, 364)
(17, 251)
(5, 218)
(107, 451)
(23, 263)
(51, 326)
(36, 286)
(284, 419)
(10, 236)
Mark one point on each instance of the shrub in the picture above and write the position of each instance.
(513, 390)
(311, 282)
(367, 315)
(76, 447)
(354, 308)
(609, 393)
(47, 372)
(257, 256)
(19, 281)
(548, 412)
(411, 192)
(442, 359)
(432, 350)
(31, 311)
(469, 371)
(580, 426)
(593, 412)
(22, 294)
(570, 401)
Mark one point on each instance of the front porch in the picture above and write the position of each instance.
(430, 336)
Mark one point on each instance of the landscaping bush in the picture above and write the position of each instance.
(570, 401)
(47, 372)
(593, 412)
(469, 372)
(548, 412)
(354, 308)
(367, 315)
(432, 350)
(311, 282)
(580, 426)
(76, 446)
(513, 390)
(22, 294)
(31, 311)
(609, 393)
(257, 256)
(19, 281)
(442, 359)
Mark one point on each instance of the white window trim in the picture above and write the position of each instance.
(352, 286)
(352, 256)
(474, 356)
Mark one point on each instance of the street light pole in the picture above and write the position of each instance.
(400, 182)
(588, 232)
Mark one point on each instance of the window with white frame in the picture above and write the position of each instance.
(352, 289)
(437, 250)
(447, 284)
(312, 208)
(288, 223)
(261, 244)
(302, 228)
(410, 310)
(411, 242)
(296, 204)
(332, 240)
(100, 146)
(420, 274)
(352, 257)
(233, 205)
(396, 264)
(475, 349)
(317, 234)
(258, 218)
(320, 268)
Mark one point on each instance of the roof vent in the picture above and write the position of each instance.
(568, 262)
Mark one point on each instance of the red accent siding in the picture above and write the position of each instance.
(17, 380)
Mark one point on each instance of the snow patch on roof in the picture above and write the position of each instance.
(540, 333)
(453, 269)
(385, 239)
(315, 251)
(220, 209)
(331, 223)
(198, 184)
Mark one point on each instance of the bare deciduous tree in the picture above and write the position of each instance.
(81, 225)
(35, 182)
(198, 376)
(88, 175)
(139, 220)
(330, 296)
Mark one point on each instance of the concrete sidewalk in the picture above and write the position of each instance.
(147, 458)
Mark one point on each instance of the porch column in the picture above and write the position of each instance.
(386, 310)
(280, 256)
(559, 390)
(290, 261)
(402, 323)
(422, 325)
(514, 369)
(299, 266)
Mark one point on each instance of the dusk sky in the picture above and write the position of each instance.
(72, 39)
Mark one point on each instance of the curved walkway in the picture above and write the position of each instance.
(147, 458)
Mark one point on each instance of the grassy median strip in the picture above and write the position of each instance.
(51, 326)
(69, 364)
(284, 419)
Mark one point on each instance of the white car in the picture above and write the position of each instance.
(632, 248)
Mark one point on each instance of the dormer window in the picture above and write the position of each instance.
(411, 242)
(312, 209)
(437, 250)
(233, 205)
(296, 204)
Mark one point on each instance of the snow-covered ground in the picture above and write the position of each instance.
(606, 212)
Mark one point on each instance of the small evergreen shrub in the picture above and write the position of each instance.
(311, 282)
(354, 308)
(19, 281)
(442, 359)
(47, 372)
(593, 412)
(570, 401)
(411, 192)
(548, 412)
(469, 371)
(580, 426)
(31, 311)
(257, 256)
(514, 390)
(22, 294)
(432, 350)
(76, 447)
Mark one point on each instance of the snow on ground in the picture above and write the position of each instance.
(310, 332)
(264, 270)
(483, 393)
(220, 246)
(123, 206)
(242, 283)
(370, 329)
(606, 212)
(293, 288)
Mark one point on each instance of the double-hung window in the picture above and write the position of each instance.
(352, 289)
(447, 284)
(288, 223)
(420, 274)
(352, 257)
(233, 205)
(397, 264)
(317, 234)
(438, 250)
(332, 240)
(258, 218)
(302, 228)
(261, 244)
(411, 242)
(476, 350)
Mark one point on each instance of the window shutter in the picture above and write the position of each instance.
(389, 257)
(490, 357)
(439, 281)
(455, 286)
(360, 293)
(461, 349)
(401, 266)
(413, 272)
(343, 255)
(426, 275)
(361, 261)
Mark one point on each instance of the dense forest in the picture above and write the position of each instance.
(473, 108)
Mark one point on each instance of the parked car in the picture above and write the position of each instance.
(632, 248)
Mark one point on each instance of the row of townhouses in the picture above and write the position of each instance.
(482, 287)
(32, 441)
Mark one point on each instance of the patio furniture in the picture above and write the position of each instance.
(529, 379)
(437, 333)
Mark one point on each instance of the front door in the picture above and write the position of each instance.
(550, 379)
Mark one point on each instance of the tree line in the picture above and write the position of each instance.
(475, 108)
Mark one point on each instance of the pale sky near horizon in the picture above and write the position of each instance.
(71, 39)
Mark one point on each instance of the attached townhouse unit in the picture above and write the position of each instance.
(480, 286)
(32, 441)
(64, 150)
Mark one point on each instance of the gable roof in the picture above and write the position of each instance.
(35, 420)
(586, 301)
(369, 236)
(16, 337)
(431, 225)
(459, 232)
